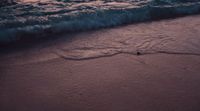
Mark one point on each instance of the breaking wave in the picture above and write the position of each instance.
(30, 19)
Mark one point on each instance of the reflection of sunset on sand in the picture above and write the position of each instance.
(143, 67)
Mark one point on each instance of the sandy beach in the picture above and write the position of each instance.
(151, 66)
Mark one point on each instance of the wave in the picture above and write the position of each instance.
(25, 21)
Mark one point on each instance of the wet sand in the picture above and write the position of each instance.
(96, 71)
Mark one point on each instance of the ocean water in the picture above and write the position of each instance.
(28, 19)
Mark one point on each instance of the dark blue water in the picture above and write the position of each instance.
(41, 18)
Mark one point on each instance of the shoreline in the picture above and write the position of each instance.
(172, 36)
(32, 42)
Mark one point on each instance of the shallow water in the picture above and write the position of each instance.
(175, 36)
(40, 18)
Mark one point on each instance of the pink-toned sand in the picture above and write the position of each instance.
(101, 71)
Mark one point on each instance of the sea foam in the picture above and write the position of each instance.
(30, 20)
